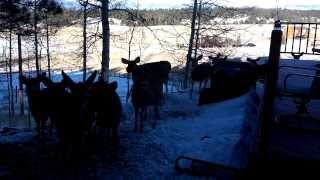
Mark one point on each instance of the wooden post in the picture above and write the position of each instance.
(267, 112)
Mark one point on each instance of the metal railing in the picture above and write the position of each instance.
(300, 38)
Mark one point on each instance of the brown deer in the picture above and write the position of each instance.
(158, 71)
(37, 100)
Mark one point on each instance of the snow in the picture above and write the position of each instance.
(208, 132)
(222, 133)
(11, 135)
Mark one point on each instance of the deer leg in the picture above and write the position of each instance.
(156, 112)
(191, 91)
(205, 82)
(136, 117)
(115, 136)
(38, 124)
(200, 83)
(166, 84)
(142, 118)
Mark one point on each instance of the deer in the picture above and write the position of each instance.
(79, 101)
(261, 69)
(202, 72)
(231, 79)
(106, 104)
(143, 95)
(153, 71)
(147, 87)
(37, 100)
(68, 107)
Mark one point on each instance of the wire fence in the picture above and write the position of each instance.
(13, 99)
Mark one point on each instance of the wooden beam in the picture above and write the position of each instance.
(267, 111)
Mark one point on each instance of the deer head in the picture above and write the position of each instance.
(32, 84)
(218, 58)
(80, 88)
(196, 59)
(132, 65)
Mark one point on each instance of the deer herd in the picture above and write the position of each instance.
(79, 109)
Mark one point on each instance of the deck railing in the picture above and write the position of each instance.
(300, 38)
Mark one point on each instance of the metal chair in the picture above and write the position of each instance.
(301, 99)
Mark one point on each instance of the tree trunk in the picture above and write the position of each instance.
(85, 41)
(187, 70)
(35, 28)
(8, 88)
(195, 63)
(21, 102)
(105, 40)
(48, 48)
(129, 57)
(10, 73)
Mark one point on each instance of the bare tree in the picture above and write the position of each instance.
(106, 6)
(191, 40)
(14, 15)
(203, 25)
(84, 4)
(41, 10)
(105, 40)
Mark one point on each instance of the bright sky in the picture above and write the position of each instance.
(288, 4)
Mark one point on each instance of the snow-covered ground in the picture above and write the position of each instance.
(209, 132)
(152, 43)
(215, 132)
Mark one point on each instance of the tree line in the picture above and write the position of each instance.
(155, 17)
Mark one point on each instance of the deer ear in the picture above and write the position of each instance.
(41, 76)
(45, 80)
(113, 85)
(66, 78)
(124, 61)
(137, 60)
(91, 78)
(23, 79)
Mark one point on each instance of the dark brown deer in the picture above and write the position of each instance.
(79, 102)
(261, 69)
(37, 100)
(68, 108)
(143, 95)
(106, 104)
(202, 72)
(147, 87)
(158, 71)
(229, 79)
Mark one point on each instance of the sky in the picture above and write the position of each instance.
(288, 4)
